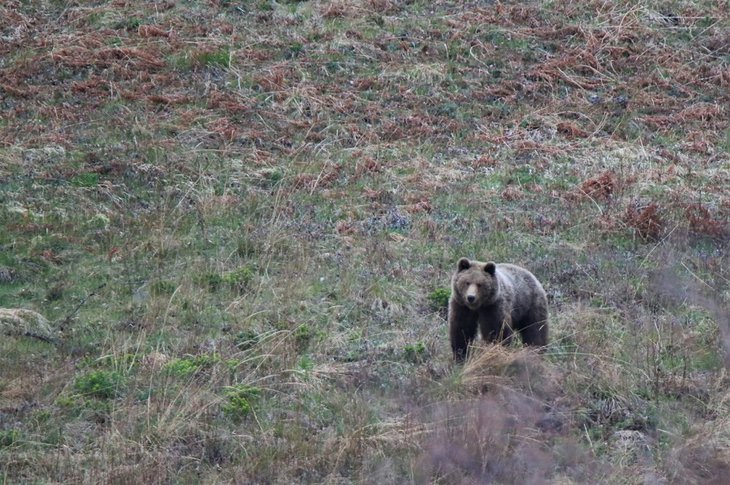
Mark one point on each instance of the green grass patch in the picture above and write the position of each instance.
(217, 58)
(276, 193)
(100, 384)
(86, 179)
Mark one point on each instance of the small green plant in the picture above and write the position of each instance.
(245, 248)
(99, 221)
(212, 280)
(306, 363)
(9, 437)
(275, 177)
(67, 402)
(130, 24)
(245, 339)
(188, 366)
(294, 50)
(101, 384)
(145, 394)
(86, 179)
(239, 401)
(238, 279)
(439, 298)
(303, 335)
(182, 62)
(182, 367)
(415, 353)
(162, 287)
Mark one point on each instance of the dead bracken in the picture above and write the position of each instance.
(238, 220)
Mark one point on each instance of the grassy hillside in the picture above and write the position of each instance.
(237, 222)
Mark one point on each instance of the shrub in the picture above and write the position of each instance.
(188, 366)
(439, 298)
(245, 339)
(415, 352)
(239, 401)
(101, 384)
(238, 279)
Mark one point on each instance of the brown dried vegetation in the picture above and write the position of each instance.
(601, 187)
(645, 220)
(247, 213)
(701, 221)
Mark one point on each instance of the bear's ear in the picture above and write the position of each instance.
(490, 268)
(463, 264)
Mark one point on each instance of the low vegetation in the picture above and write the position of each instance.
(234, 224)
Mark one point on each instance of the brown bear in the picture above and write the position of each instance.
(500, 299)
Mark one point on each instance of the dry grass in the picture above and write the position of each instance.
(237, 220)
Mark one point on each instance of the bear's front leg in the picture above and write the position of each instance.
(506, 332)
(495, 325)
(462, 329)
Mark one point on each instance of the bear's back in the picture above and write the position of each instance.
(519, 276)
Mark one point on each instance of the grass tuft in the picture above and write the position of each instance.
(228, 231)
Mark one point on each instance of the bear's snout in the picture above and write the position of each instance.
(471, 294)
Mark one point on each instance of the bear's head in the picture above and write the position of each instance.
(475, 284)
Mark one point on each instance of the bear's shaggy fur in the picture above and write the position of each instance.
(499, 299)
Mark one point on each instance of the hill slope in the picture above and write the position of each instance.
(241, 219)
